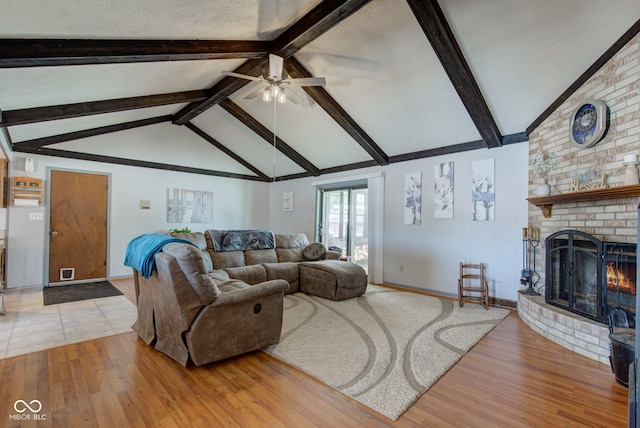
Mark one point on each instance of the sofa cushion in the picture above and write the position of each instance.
(290, 254)
(225, 260)
(291, 240)
(287, 271)
(218, 275)
(332, 255)
(315, 251)
(332, 279)
(255, 257)
(250, 274)
(192, 262)
(196, 238)
(346, 274)
(232, 285)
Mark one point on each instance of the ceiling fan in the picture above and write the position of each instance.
(276, 81)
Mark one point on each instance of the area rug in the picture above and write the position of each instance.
(385, 348)
(76, 292)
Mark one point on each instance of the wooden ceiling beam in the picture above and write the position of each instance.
(332, 170)
(59, 52)
(244, 117)
(440, 151)
(436, 28)
(133, 162)
(225, 150)
(333, 109)
(66, 111)
(520, 137)
(319, 20)
(5, 130)
(221, 90)
(315, 23)
(77, 135)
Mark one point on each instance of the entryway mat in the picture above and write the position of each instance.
(75, 292)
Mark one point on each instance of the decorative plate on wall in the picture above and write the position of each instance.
(588, 123)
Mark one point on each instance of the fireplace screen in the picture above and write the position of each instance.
(573, 273)
(590, 277)
(620, 272)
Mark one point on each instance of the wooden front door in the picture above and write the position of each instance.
(78, 226)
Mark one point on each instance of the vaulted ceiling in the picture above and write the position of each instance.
(139, 82)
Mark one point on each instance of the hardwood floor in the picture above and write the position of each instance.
(512, 378)
(127, 287)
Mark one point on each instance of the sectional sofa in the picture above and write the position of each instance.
(220, 293)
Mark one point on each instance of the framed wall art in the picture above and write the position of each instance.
(287, 201)
(483, 195)
(413, 198)
(189, 206)
(443, 190)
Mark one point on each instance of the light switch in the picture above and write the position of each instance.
(36, 216)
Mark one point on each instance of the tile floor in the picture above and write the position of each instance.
(29, 326)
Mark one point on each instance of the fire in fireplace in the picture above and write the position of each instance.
(619, 264)
(589, 277)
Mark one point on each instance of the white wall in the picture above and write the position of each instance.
(428, 253)
(238, 204)
(427, 256)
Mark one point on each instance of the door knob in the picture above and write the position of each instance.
(54, 233)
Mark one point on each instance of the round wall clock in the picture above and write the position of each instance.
(588, 123)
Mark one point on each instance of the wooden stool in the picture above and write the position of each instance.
(472, 285)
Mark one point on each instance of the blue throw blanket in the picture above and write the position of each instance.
(141, 251)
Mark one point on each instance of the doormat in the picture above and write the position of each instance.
(76, 292)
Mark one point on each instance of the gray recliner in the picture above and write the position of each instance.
(188, 313)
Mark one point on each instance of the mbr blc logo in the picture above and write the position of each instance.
(21, 406)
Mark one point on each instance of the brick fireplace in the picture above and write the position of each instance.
(611, 218)
(614, 219)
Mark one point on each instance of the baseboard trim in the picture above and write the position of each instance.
(493, 301)
(503, 303)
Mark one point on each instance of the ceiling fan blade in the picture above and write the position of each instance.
(275, 66)
(255, 93)
(293, 97)
(307, 81)
(242, 76)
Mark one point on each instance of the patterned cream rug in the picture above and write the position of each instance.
(385, 348)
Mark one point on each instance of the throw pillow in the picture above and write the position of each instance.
(314, 251)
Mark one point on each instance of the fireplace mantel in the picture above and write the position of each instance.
(545, 203)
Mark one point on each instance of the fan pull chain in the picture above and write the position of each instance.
(274, 140)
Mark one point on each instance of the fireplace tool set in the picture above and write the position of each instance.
(529, 277)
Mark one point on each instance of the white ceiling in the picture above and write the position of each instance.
(378, 63)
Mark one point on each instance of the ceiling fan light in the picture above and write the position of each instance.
(266, 95)
(275, 91)
(282, 97)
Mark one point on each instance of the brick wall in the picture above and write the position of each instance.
(617, 83)
(569, 330)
